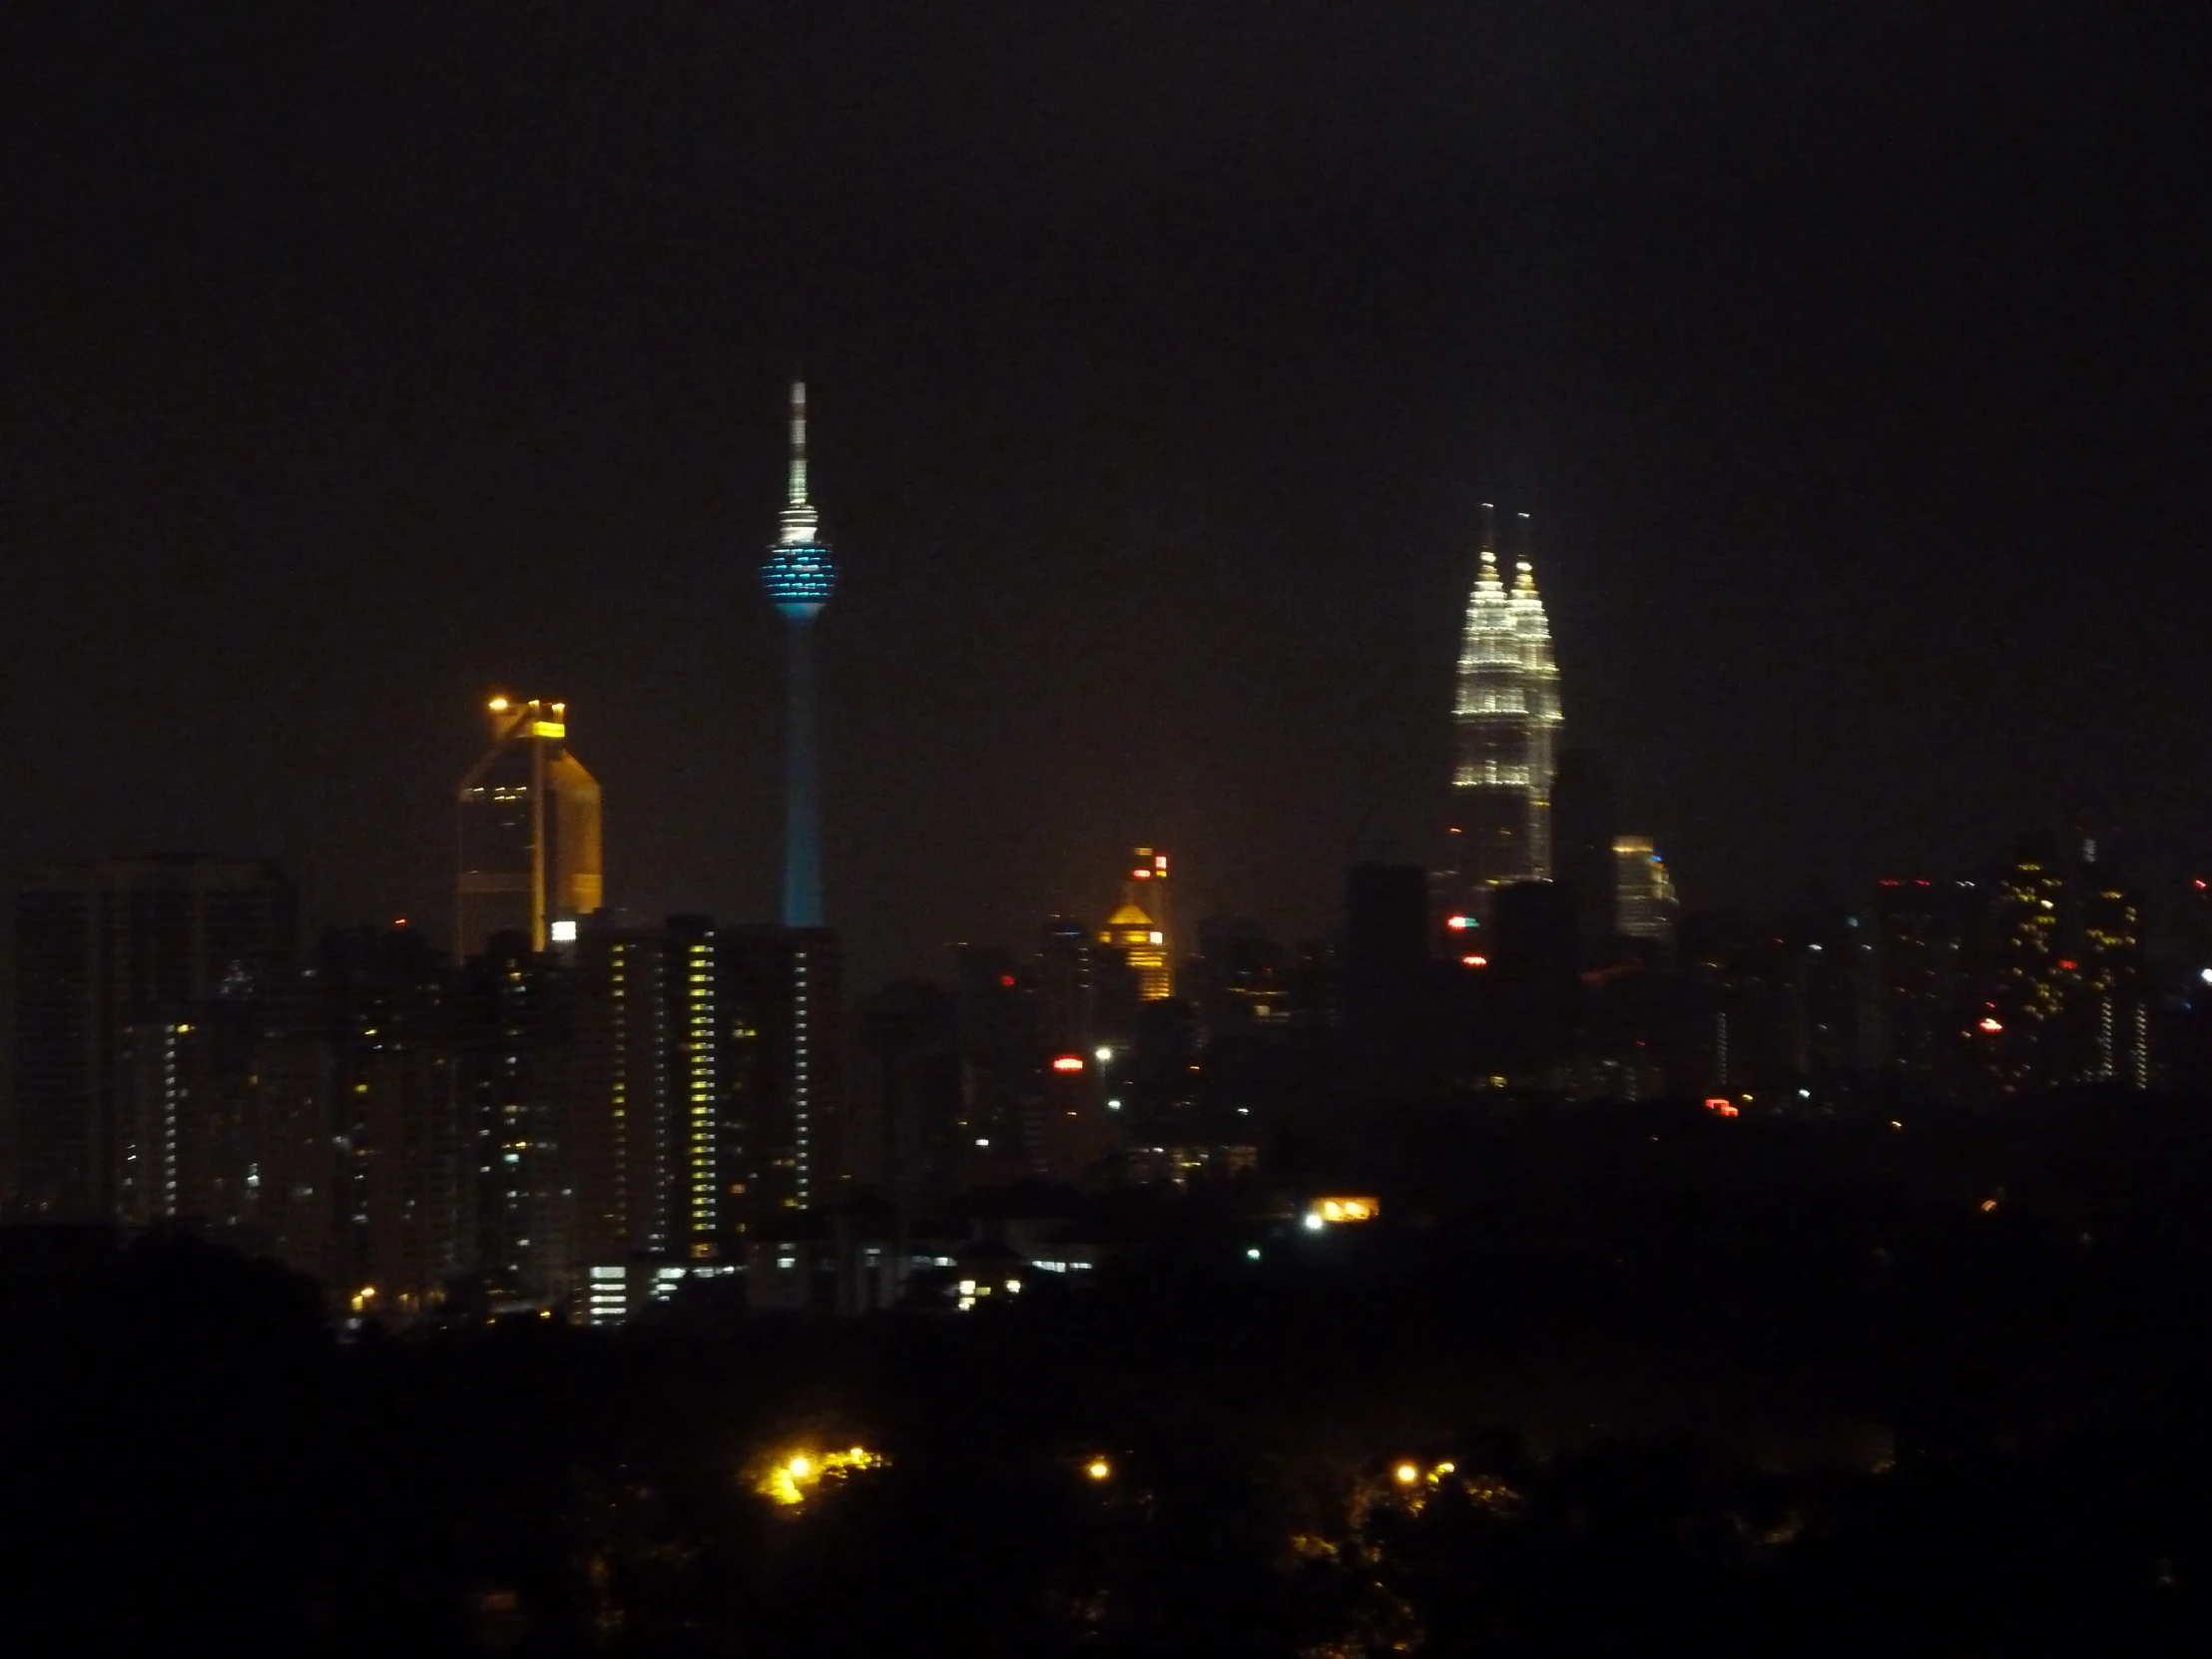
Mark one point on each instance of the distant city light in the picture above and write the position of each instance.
(1407, 1474)
(1474, 962)
(1335, 1211)
(1252, 1253)
(1459, 925)
(1314, 1223)
(1102, 1054)
(562, 931)
(1991, 1023)
(1098, 1468)
(788, 1482)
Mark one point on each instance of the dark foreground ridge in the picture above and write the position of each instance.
(1617, 1377)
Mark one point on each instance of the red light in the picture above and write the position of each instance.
(1006, 982)
(2068, 965)
(1474, 962)
(1992, 1024)
(2200, 887)
(1459, 925)
(1067, 1062)
(1721, 1106)
(1141, 873)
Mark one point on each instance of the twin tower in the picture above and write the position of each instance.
(1506, 722)
(529, 838)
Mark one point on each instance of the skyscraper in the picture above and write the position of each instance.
(800, 575)
(528, 831)
(1644, 894)
(1585, 813)
(119, 969)
(1508, 719)
(1140, 927)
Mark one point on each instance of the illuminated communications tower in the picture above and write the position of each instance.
(800, 575)
(528, 832)
(1507, 721)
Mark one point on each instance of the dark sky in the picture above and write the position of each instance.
(361, 358)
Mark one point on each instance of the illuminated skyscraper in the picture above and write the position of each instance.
(1644, 895)
(1140, 928)
(799, 576)
(528, 831)
(1508, 719)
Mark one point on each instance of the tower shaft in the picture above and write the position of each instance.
(801, 782)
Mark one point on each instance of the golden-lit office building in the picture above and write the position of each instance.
(1140, 928)
(527, 836)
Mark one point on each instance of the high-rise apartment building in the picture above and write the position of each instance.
(628, 1118)
(131, 978)
(527, 843)
(1507, 716)
(2115, 997)
(1922, 931)
(781, 996)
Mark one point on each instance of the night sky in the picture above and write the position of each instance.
(361, 359)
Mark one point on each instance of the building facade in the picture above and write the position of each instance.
(527, 833)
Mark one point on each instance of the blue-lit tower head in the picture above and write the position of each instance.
(800, 571)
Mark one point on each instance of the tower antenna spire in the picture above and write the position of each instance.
(800, 520)
(799, 442)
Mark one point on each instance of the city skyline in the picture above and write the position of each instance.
(1271, 828)
(1175, 483)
